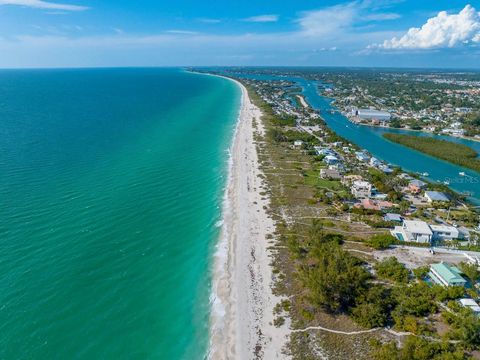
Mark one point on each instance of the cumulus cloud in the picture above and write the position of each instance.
(262, 18)
(442, 31)
(40, 4)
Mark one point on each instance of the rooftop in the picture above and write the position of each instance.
(436, 196)
(418, 227)
(450, 274)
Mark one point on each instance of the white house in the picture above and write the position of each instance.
(444, 232)
(361, 189)
(432, 196)
(362, 156)
(330, 174)
(330, 159)
(298, 143)
(414, 231)
(471, 304)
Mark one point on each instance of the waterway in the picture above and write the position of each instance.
(371, 139)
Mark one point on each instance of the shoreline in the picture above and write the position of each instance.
(242, 301)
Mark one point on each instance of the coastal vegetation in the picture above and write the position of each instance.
(446, 150)
(324, 267)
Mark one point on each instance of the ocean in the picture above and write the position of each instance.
(111, 187)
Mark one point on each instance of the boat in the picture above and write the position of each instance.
(461, 173)
(425, 174)
(446, 182)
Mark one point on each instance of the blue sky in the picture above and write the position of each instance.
(421, 33)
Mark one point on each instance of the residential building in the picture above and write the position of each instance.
(444, 232)
(446, 275)
(330, 174)
(415, 186)
(432, 196)
(331, 159)
(471, 304)
(413, 231)
(361, 189)
(393, 217)
(298, 143)
(361, 156)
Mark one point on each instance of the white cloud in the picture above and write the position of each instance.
(343, 17)
(210, 20)
(182, 32)
(382, 16)
(40, 4)
(262, 18)
(442, 31)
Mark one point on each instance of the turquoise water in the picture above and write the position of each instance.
(110, 188)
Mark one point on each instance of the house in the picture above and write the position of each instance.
(444, 232)
(361, 156)
(446, 275)
(392, 217)
(432, 196)
(374, 161)
(330, 159)
(413, 231)
(330, 174)
(298, 144)
(415, 186)
(361, 189)
(349, 179)
(471, 304)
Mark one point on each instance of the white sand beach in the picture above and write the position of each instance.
(242, 310)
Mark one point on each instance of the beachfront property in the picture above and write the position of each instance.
(332, 174)
(446, 275)
(470, 304)
(444, 232)
(361, 156)
(432, 196)
(331, 159)
(420, 231)
(413, 231)
(415, 186)
(361, 189)
(375, 162)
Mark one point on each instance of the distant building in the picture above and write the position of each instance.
(370, 114)
(432, 196)
(446, 275)
(471, 304)
(413, 231)
(349, 179)
(415, 186)
(444, 232)
(362, 156)
(331, 159)
(298, 143)
(361, 189)
(392, 217)
(374, 161)
(330, 174)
